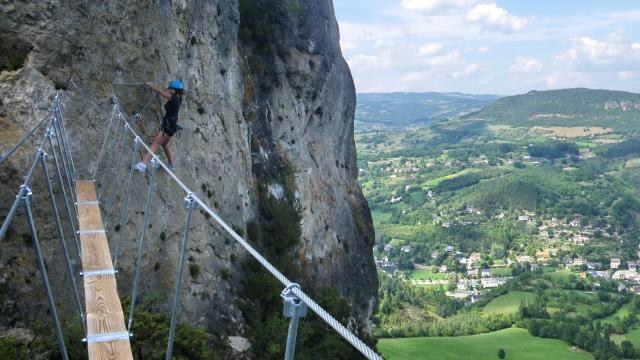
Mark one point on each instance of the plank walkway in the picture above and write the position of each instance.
(104, 310)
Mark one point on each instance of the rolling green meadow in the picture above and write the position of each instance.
(517, 343)
(508, 303)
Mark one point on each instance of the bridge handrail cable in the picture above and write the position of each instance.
(315, 307)
(25, 197)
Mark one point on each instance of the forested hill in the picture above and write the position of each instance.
(389, 111)
(566, 107)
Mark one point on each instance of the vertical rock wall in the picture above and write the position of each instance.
(280, 94)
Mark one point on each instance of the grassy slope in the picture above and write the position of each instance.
(503, 271)
(632, 335)
(561, 275)
(379, 217)
(623, 312)
(423, 274)
(517, 343)
(433, 182)
(508, 303)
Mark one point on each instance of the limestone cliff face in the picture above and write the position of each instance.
(269, 91)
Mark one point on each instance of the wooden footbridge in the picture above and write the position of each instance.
(107, 336)
(79, 206)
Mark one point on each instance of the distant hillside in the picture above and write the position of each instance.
(567, 107)
(387, 111)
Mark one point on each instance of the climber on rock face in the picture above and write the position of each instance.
(169, 124)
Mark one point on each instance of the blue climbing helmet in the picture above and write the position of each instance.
(176, 84)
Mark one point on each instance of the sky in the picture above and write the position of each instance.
(490, 47)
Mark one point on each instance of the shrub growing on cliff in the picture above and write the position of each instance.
(194, 271)
(315, 338)
(276, 233)
(14, 62)
(260, 24)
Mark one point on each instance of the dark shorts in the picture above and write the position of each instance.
(169, 126)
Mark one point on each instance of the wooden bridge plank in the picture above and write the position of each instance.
(102, 304)
(85, 190)
(113, 350)
(103, 307)
(90, 218)
(95, 252)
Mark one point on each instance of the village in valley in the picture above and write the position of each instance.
(546, 243)
(472, 274)
(482, 225)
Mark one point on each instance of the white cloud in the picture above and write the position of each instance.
(615, 53)
(565, 79)
(598, 52)
(628, 75)
(449, 58)
(526, 65)
(467, 71)
(347, 46)
(433, 5)
(430, 49)
(362, 61)
(437, 45)
(493, 17)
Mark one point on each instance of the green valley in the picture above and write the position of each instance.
(487, 222)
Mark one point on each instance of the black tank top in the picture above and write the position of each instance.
(172, 107)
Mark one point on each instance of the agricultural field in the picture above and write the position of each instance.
(501, 271)
(632, 335)
(508, 303)
(517, 343)
(632, 163)
(571, 132)
(563, 274)
(425, 274)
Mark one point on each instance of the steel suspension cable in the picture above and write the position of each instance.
(16, 203)
(88, 97)
(21, 142)
(108, 153)
(137, 83)
(124, 218)
(27, 200)
(65, 165)
(154, 163)
(104, 141)
(335, 324)
(146, 105)
(64, 192)
(27, 180)
(189, 205)
(113, 179)
(63, 243)
(65, 138)
(62, 144)
(25, 197)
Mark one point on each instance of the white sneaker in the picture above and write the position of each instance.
(141, 167)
